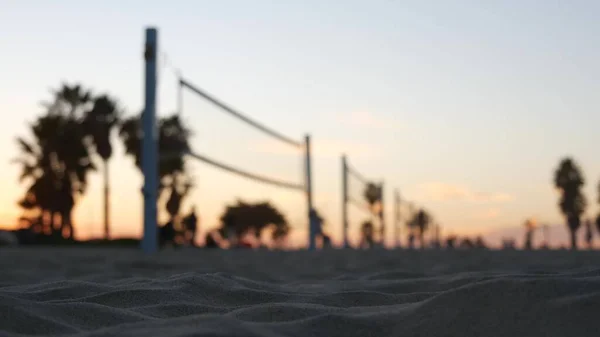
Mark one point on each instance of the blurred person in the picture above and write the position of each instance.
(367, 235)
(190, 224)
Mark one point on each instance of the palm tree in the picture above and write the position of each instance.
(100, 121)
(178, 190)
(598, 217)
(173, 142)
(420, 223)
(71, 99)
(56, 163)
(373, 196)
(569, 180)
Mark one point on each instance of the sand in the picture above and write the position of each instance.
(120, 292)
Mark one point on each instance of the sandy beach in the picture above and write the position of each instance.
(120, 292)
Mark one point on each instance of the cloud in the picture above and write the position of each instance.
(491, 213)
(320, 147)
(436, 191)
(363, 119)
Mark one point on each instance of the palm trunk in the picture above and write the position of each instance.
(69, 224)
(106, 201)
(573, 240)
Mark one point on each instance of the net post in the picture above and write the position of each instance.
(312, 228)
(397, 240)
(149, 144)
(345, 201)
(179, 95)
(382, 214)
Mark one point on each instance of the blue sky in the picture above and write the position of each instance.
(466, 106)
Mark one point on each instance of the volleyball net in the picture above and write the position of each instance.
(241, 151)
(366, 198)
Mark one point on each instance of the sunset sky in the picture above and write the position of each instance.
(465, 106)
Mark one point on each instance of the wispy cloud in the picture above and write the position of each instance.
(321, 148)
(437, 191)
(364, 119)
(488, 214)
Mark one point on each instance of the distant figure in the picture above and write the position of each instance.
(367, 235)
(190, 223)
(528, 238)
(451, 242)
(529, 229)
(411, 240)
(326, 240)
(508, 243)
(166, 234)
(320, 223)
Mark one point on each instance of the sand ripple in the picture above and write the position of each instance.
(87, 292)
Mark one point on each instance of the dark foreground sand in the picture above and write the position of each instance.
(119, 292)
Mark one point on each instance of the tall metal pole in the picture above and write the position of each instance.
(397, 219)
(382, 214)
(149, 145)
(312, 225)
(106, 202)
(345, 201)
(179, 96)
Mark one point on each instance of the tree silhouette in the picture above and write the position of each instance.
(72, 100)
(569, 180)
(56, 162)
(178, 189)
(420, 222)
(373, 196)
(100, 121)
(242, 217)
(325, 238)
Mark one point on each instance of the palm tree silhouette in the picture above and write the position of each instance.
(373, 196)
(100, 121)
(598, 217)
(569, 180)
(178, 189)
(420, 223)
(72, 99)
(56, 162)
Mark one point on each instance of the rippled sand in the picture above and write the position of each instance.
(119, 292)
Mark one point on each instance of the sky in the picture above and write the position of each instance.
(465, 107)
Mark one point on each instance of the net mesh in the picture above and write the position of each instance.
(236, 158)
(358, 208)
